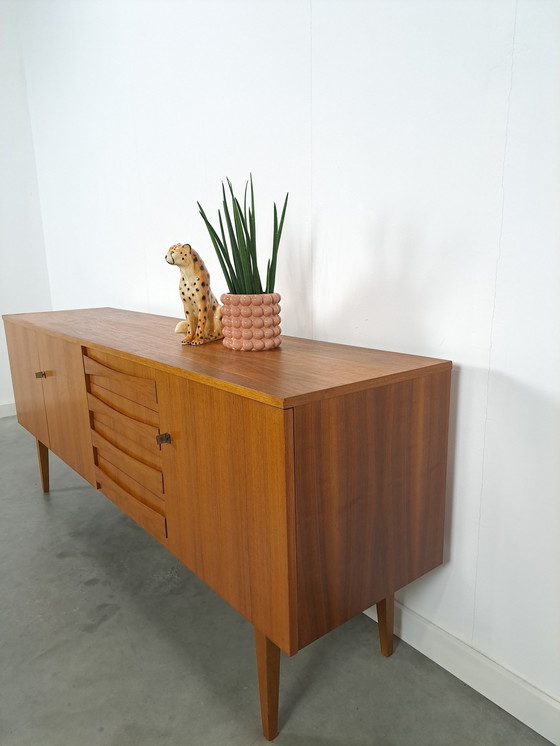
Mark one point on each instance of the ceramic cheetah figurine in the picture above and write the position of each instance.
(202, 311)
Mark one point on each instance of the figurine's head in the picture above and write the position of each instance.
(181, 255)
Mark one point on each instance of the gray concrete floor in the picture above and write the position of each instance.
(106, 640)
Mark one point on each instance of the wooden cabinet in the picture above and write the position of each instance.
(302, 484)
(47, 376)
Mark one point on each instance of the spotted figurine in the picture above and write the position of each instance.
(202, 312)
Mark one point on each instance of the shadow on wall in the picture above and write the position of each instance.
(294, 283)
(519, 473)
(504, 479)
(451, 460)
(391, 289)
(520, 511)
(390, 296)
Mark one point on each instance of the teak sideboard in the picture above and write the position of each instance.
(303, 484)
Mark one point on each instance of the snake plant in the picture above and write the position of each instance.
(238, 259)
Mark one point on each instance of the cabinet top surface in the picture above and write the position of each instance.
(298, 371)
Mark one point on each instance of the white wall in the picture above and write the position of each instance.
(24, 283)
(420, 143)
(520, 486)
(141, 109)
(442, 208)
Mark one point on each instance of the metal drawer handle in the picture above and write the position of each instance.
(40, 374)
(163, 438)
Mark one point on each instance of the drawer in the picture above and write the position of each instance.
(146, 475)
(135, 438)
(128, 484)
(119, 403)
(124, 419)
(140, 390)
(149, 519)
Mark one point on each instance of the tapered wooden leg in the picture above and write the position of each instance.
(385, 623)
(43, 456)
(268, 669)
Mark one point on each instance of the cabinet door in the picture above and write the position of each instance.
(228, 475)
(66, 403)
(28, 390)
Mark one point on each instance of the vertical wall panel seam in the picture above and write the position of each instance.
(18, 12)
(492, 323)
(311, 209)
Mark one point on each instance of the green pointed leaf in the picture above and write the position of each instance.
(276, 244)
(222, 232)
(242, 243)
(252, 215)
(245, 202)
(239, 259)
(220, 251)
(233, 241)
(268, 290)
(253, 231)
(282, 218)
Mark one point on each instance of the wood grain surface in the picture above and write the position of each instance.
(28, 390)
(43, 459)
(66, 403)
(268, 672)
(151, 478)
(135, 438)
(298, 371)
(141, 390)
(370, 490)
(150, 520)
(229, 496)
(122, 404)
(302, 484)
(385, 624)
(135, 489)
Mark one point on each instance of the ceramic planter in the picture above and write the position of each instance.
(251, 322)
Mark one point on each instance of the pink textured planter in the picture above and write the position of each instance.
(251, 322)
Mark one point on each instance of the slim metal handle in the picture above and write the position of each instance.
(40, 374)
(163, 438)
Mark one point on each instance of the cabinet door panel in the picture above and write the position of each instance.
(28, 390)
(229, 495)
(66, 403)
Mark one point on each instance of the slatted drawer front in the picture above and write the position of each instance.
(128, 484)
(150, 520)
(140, 472)
(137, 439)
(123, 405)
(140, 390)
(137, 412)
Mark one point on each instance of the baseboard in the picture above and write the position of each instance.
(7, 410)
(513, 694)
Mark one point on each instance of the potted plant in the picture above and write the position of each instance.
(250, 313)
